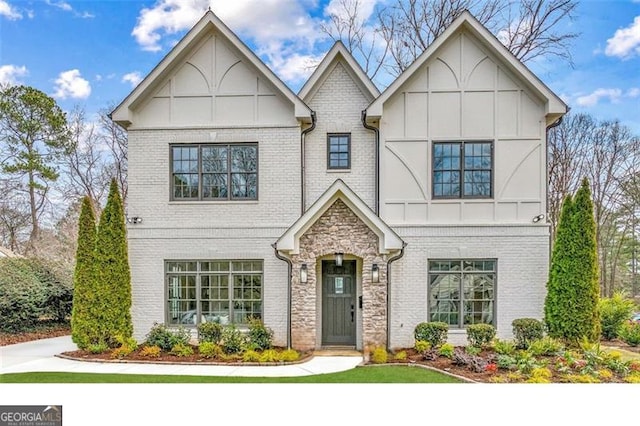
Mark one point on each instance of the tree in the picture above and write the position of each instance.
(33, 131)
(85, 305)
(571, 305)
(115, 137)
(113, 278)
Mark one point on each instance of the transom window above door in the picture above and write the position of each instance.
(339, 151)
(214, 172)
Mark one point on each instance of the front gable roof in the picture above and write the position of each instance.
(123, 113)
(388, 240)
(338, 53)
(555, 107)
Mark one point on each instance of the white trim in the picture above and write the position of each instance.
(388, 240)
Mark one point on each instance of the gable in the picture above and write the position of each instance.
(211, 78)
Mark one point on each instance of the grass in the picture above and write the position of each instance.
(381, 374)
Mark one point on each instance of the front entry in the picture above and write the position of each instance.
(339, 308)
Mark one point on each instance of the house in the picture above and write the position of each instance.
(340, 215)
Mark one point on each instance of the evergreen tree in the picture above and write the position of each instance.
(571, 305)
(83, 326)
(113, 277)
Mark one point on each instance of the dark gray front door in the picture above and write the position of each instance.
(339, 303)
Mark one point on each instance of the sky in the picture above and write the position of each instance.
(93, 53)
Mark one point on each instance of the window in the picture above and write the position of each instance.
(339, 151)
(462, 292)
(214, 172)
(462, 169)
(226, 292)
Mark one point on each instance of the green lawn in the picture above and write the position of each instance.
(382, 374)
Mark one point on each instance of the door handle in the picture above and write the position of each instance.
(352, 312)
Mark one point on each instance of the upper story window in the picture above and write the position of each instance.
(462, 169)
(339, 151)
(214, 172)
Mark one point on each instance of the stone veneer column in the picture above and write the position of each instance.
(338, 230)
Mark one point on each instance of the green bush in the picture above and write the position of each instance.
(526, 330)
(97, 348)
(630, 333)
(58, 283)
(546, 346)
(504, 347)
(182, 350)
(209, 350)
(289, 355)
(473, 350)
(400, 356)
(422, 346)
(270, 355)
(22, 296)
(260, 337)
(209, 332)
(433, 332)
(150, 351)
(613, 313)
(446, 350)
(165, 338)
(232, 340)
(506, 362)
(480, 335)
(250, 356)
(379, 355)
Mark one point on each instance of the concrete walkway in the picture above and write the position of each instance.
(39, 355)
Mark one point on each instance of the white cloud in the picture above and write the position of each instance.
(11, 74)
(340, 8)
(634, 92)
(593, 98)
(626, 41)
(70, 84)
(9, 11)
(133, 78)
(295, 68)
(68, 8)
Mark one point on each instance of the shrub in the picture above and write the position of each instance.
(506, 362)
(250, 356)
(630, 333)
(633, 378)
(232, 340)
(22, 296)
(121, 351)
(433, 332)
(209, 350)
(182, 350)
(473, 350)
(58, 286)
(269, 355)
(613, 313)
(526, 330)
(209, 332)
(504, 347)
(166, 339)
(526, 362)
(289, 355)
(546, 346)
(446, 350)
(379, 355)
(97, 348)
(480, 334)
(400, 356)
(260, 337)
(422, 346)
(150, 351)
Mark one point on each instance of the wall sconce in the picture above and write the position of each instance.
(339, 257)
(375, 273)
(134, 220)
(303, 273)
(538, 218)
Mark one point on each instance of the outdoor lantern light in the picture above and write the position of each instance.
(339, 259)
(375, 273)
(303, 273)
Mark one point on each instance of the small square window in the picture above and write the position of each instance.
(339, 151)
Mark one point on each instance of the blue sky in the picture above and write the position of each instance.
(92, 53)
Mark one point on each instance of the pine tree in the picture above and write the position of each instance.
(571, 305)
(113, 277)
(83, 319)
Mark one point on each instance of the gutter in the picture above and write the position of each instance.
(302, 161)
(389, 262)
(363, 116)
(289, 270)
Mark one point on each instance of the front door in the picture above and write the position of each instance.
(339, 303)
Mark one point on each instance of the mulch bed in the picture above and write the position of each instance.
(42, 331)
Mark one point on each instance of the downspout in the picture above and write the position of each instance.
(377, 142)
(549, 127)
(389, 262)
(302, 161)
(289, 270)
